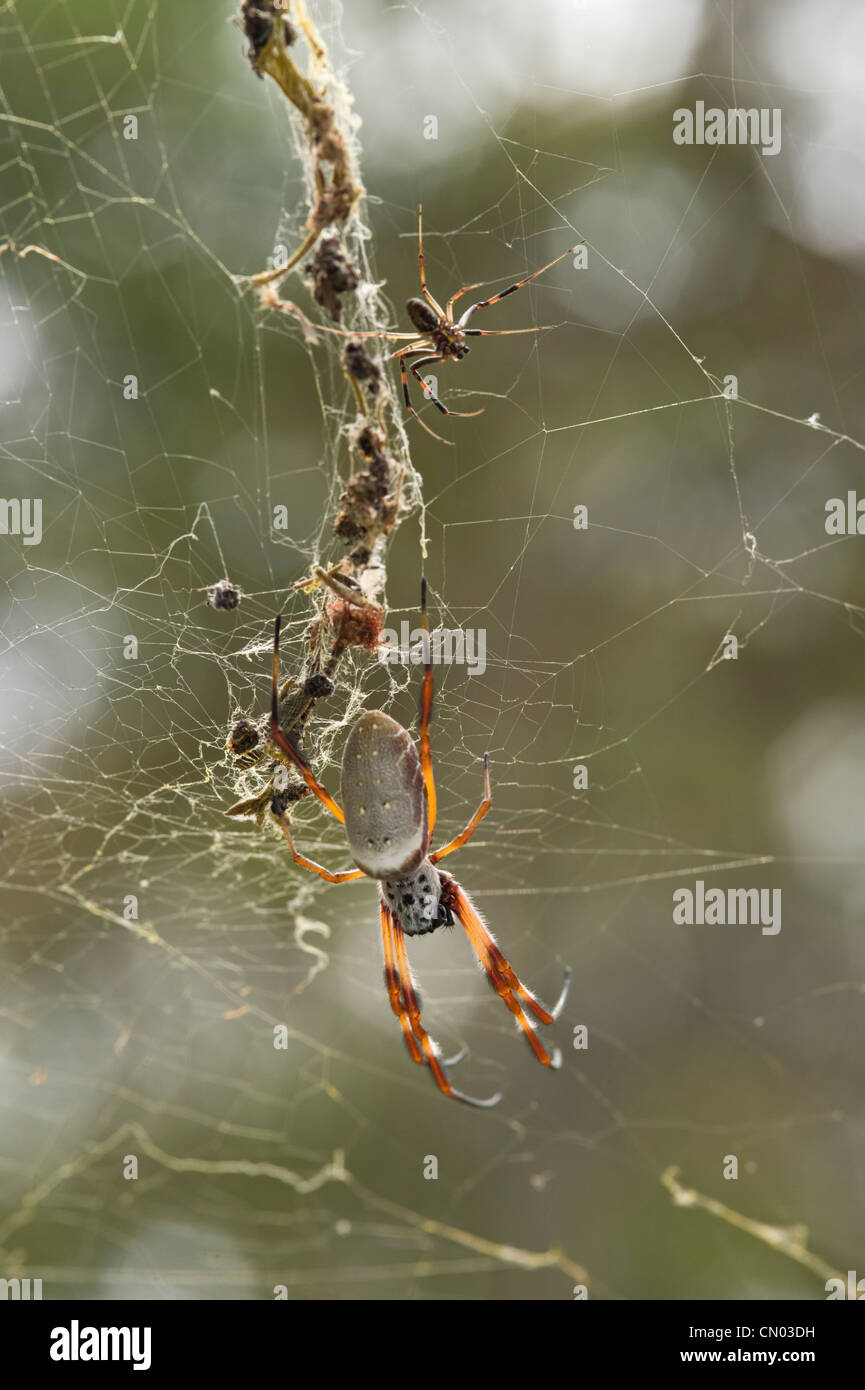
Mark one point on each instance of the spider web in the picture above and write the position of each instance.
(151, 946)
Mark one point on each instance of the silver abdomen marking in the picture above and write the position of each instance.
(384, 798)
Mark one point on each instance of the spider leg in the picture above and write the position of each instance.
(287, 307)
(419, 345)
(282, 740)
(344, 877)
(427, 390)
(426, 704)
(408, 1012)
(408, 405)
(392, 980)
(507, 332)
(506, 971)
(363, 333)
(504, 980)
(465, 835)
(485, 303)
(454, 297)
(426, 294)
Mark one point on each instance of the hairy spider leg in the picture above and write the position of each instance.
(505, 970)
(503, 978)
(392, 980)
(404, 1003)
(345, 876)
(282, 740)
(465, 835)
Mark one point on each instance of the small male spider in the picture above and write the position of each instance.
(390, 809)
(440, 337)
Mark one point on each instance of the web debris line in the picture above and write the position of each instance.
(351, 603)
(791, 1241)
(333, 1171)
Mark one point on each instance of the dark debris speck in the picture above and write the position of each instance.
(243, 737)
(258, 18)
(318, 686)
(224, 596)
(360, 365)
(331, 275)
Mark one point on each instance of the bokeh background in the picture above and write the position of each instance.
(554, 125)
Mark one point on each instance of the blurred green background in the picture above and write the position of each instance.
(706, 517)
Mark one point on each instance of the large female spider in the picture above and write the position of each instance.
(390, 809)
(439, 337)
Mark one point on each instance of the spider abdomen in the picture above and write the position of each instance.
(422, 316)
(417, 901)
(384, 798)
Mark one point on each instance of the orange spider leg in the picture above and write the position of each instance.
(428, 391)
(507, 332)
(392, 980)
(511, 289)
(408, 405)
(412, 1008)
(426, 294)
(504, 980)
(419, 345)
(345, 876)
(453, 299)
(465, 835)
(282, 740)
(507, 973)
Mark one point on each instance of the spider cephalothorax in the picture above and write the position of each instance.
(388, 792)
(421, 902)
